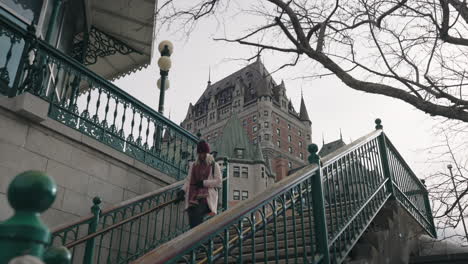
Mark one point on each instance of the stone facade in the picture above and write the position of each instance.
(81, 166)
(246, 179)
(267, 115)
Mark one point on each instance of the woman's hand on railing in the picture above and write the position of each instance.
(180, 196)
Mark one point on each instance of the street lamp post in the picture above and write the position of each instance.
(164, 63)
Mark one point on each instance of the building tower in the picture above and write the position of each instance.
(267, 116)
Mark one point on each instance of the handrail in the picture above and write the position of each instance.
(366, 190)
(400, 158)
(335, 155)
(196, 235)
(118, 206)
(414, 206)
(121, 223)
(183, 242)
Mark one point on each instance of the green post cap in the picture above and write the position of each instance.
(96, 208)
(57, 255)
(313, 157)
(30, 193)
(378, 124)
(199, 134)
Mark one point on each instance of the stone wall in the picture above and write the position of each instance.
(81, 166)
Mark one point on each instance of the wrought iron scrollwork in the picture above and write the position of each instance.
(101, 45)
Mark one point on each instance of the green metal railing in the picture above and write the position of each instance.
(130, 229)
(316, 215)
(81, 99)
(125, 231)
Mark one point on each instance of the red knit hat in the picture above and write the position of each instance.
(203, 147)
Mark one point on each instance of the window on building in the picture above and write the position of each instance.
(300, 144)
(278, 132)
(265, 124)
(259, 138)
(236, 195)
(277, 120)
(289, 138)
(308, 136)
(265, 113)
(236, 172)
(244, 123)
(245, 172)
(245, 195)
(289, 126)
(254, 118)
(301, 156)
(278, 143)
(216, 134)
(290, 150)
(254, 128)
(263, 172)
(239, 153)
(299, 133)
(266, 136)
(208, 138)
(255, 141)
(290, 165)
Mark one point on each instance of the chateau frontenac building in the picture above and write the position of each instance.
(267, 115)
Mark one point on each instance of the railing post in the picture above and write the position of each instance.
(225, 184)
(90, 244)
(29, 194)
(319, 206)
(384, 157)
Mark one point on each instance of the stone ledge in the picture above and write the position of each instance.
(28, 106)
(36, 109)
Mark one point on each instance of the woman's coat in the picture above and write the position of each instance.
(212, 183)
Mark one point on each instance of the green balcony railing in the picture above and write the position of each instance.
(316, 215)
(82, 100)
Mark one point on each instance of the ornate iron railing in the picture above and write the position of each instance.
(125, 231)
(81, 99)
(316, 215)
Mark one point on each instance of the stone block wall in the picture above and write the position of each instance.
(81, 166)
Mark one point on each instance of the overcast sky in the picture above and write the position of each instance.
(331, 105)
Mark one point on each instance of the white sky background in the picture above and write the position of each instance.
(331, 104)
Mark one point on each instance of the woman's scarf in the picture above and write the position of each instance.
(200, 172)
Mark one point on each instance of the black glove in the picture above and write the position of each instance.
(180, 196)
(199, 184)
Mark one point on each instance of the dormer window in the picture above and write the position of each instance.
(239, 152)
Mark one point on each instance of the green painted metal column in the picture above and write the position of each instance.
(319, 206)
(225, 184)
(384, 157)
(53, 19)
(90, 244)
(29, 194)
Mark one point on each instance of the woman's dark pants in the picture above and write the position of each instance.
(196, 214)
